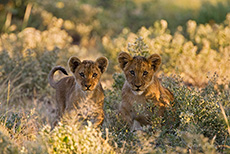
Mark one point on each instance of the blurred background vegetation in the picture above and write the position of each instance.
(192, 37)
(174, 29)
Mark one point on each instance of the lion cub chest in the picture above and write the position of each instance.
(81, 100)
(86, 106)
(137, 102)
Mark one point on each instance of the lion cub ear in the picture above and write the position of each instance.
(102, 63)
(73, 62)
(123, 59)
(155, 61)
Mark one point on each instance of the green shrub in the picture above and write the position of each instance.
(69, 138)
(11, 121)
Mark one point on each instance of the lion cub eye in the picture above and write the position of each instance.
(82, 74)
(94, 75)
(132, 73)
(145, 73)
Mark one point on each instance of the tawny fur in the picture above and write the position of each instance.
(141, 86)
(81, 92)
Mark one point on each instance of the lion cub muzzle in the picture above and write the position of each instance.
(88, 82)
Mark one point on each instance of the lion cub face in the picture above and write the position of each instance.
(87, 73)
(139, 71)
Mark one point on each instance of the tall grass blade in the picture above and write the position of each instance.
(8, 93)
(225, 117)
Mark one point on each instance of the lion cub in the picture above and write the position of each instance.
(141, 86)
(82, 92)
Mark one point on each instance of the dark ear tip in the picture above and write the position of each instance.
(71, 59)
(155, 57)
(74, 58)
(103, 58)
(122, 53)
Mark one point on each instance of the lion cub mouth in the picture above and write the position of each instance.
(137, 92)
(87, 89)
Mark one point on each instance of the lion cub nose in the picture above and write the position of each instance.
(87, 86)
